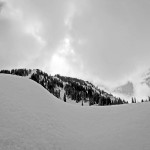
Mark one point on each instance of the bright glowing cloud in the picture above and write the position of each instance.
(65, 48)
(59, 63)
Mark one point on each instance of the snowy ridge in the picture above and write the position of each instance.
(33, 119)
(75, 90)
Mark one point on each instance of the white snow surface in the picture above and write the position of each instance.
(32, 119)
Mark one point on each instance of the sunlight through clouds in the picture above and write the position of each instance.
(59, 65)
(66, 48)
(60, 62)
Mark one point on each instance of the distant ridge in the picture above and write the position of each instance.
(126, 89)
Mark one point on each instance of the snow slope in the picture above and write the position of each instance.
(32, 119)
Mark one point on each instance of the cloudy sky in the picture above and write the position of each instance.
(103, 41)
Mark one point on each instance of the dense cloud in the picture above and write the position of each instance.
(116, 37)
(99, 40)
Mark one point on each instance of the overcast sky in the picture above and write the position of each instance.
(100, 40)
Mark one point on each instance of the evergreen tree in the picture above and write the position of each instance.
(99, 102)
(64, 97)
(82, 102)
(134, 100)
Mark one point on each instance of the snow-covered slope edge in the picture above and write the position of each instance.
(31, 118)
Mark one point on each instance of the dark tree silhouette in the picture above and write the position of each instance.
(64, 97)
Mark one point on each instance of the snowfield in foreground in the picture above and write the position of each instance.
(32, 119)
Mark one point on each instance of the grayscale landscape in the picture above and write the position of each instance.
(74, 75)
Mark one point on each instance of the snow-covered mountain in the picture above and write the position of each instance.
(69, 89)
(138, 86)
(126, 89)
(33, 119)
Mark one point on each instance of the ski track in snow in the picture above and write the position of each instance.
(33, 119)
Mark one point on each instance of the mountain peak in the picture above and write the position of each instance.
(126, 89)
